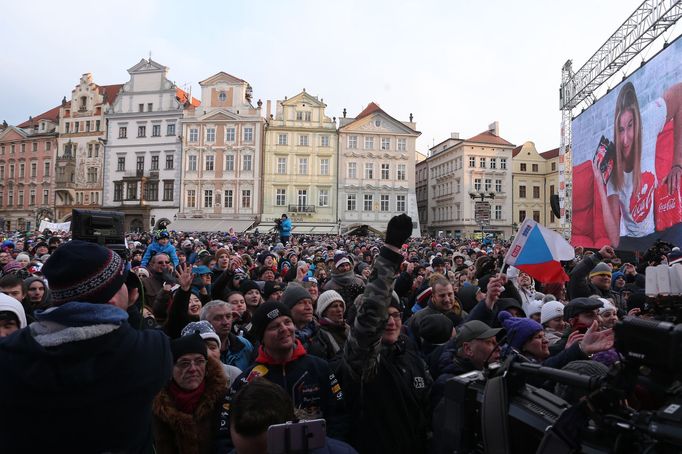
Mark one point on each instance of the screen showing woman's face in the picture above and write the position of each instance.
(626, 134)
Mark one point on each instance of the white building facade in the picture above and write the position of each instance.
(143, 148)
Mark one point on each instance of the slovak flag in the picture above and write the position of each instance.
(537, 250)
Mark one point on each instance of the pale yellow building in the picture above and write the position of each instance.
(300, 166)
(535, 180)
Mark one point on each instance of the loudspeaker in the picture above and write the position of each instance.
(554, 203)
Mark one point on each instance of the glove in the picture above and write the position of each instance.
(399, 230)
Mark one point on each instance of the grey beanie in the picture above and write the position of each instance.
(293, 294)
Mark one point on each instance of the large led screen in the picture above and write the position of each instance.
(627, 160)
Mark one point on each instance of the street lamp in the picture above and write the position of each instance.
(485, 209)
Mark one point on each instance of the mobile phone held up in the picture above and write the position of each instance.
(604, 158)
(297, 437)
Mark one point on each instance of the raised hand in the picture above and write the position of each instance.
(596, 341)
(185, 277)
(399, 230)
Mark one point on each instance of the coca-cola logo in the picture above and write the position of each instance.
(667, 205)
(641, 202)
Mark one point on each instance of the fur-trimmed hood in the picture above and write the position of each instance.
(175, 431)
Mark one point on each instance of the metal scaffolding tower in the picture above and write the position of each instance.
(649, 21)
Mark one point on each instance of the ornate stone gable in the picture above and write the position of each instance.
(379, 124)
(303, 97)
(221, 77)
(12, 133)
(147, 66)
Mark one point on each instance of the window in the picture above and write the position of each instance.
(46, 197)
(498, 212)
(352, 142)
(222, 96)
(46, 169)
(303, 140)
(140, 107)
(400, 203)
(34, 169)
(141, 131)
(11, 149)
(369, 170)
(324, 141)
(118, 191)
(303, 166)
(230, 134)
(384, 202)
(246, 162)
(77, 126)
(283, 139)
(553, 166)
(89, 150)
(302, 198)
(210, 134)
(522, 215)
(323, 198)
(22, 168)
(369, 143)
(522, 167)
(150, 107)
(248, 134)
(191, 198)
(477, 184)
(385, 171)
(48, 146)
(352, 170)
(534, 167)
(2, 172)
(193, 135)
(385, 143)
(281, 166)
(351, 202)
(155, 162)
(503, 163)
(246, 198)
(34, 147)
(493, 163)
(122, 131)
(11, 170)
(229, 197)
(170, 129)
(536, 216)
(229, 163)
(472, 162)
(367, 203)
(401, 144)
(281, 197)
(168, 189)
(170, 164)
(498, 185)
(131, 190)
(208, 198)
(488, 184)
(308, 116)
(536, 192)
(10, 198)
(458, 186)
(402, 172)
(324, 166)
(156, 130)
(481, 163)
(32, 197)
(140, 164)
(299, 116)
(209, 161)
(92, 174)
(192, 163)
(522, 192)
(551, 189)
(151, 191)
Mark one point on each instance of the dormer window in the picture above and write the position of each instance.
(222, 96)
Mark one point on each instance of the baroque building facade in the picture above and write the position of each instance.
(26, 172)
(79, 156)
(222, 158)
(376, 170)
(143, 148)
(300, 165)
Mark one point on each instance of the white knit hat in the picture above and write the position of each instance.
(534, 307)
(551, 310)
(326, 299)
(9, 304)
(607, 306)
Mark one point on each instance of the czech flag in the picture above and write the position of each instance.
(537, 250)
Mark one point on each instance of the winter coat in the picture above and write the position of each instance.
(285, 227)
(176, 432)
(386, 386)
(238, 352)
(156, 248)
(93, 395)
(579, 285)
(307, 379)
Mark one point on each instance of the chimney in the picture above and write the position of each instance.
(494, 128)
(454, 135)
(268, 108)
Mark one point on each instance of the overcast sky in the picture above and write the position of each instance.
(455, 65)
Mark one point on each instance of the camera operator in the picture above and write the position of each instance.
(284, 227)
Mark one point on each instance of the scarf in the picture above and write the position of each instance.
(186, 401)
(344, 279)
(304, 334)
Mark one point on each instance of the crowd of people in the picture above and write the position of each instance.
(199, 342)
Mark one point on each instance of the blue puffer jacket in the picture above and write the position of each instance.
(238, 353)
(156, 248)
(285, 227)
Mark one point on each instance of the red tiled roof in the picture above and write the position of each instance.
(516, 151)
(110, 92)
(550, 154)
(370, 109)
(183, 96)
(489, 137)
(52, 115)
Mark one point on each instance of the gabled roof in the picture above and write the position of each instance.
(51, 115)
(182, 97)
(516, 151)
(550, 154)
(222, 75)
(145, 66)
(9, 129)
(110, 92)
(372, 108)
(489, 137)
(303, 95)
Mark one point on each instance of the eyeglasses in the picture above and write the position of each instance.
(394, 315)
(186, 363)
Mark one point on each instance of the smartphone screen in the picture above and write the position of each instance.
(303, 436)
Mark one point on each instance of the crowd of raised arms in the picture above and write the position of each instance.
(198, 342)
